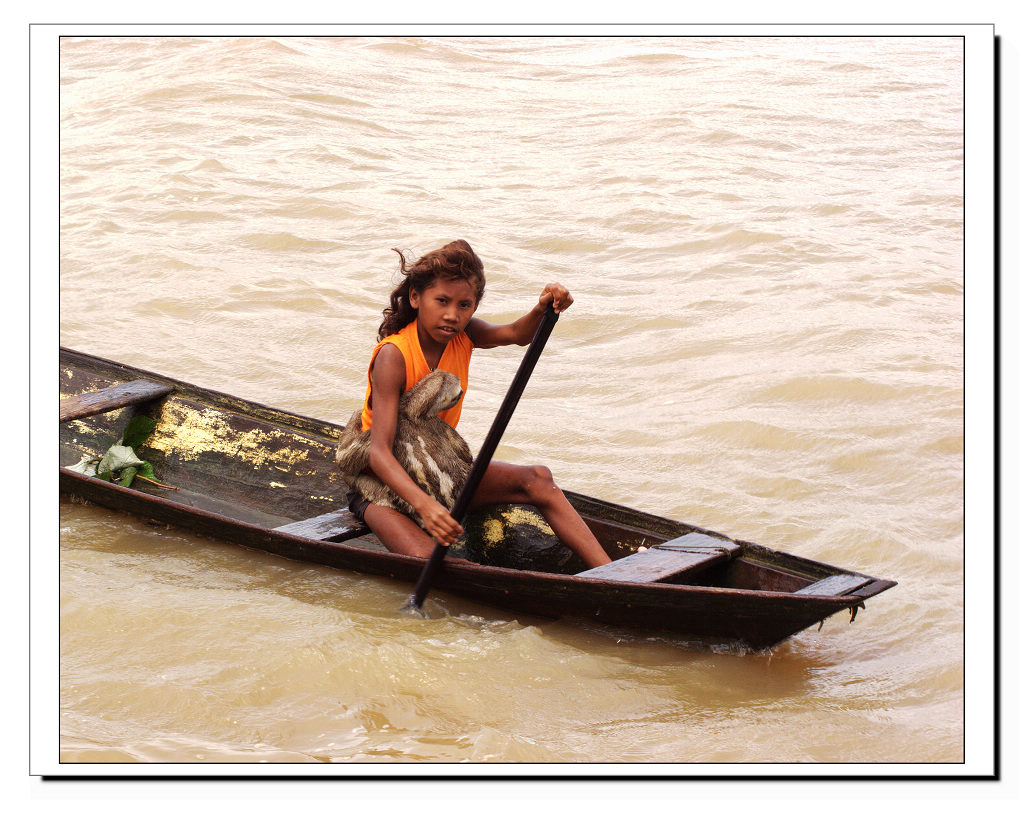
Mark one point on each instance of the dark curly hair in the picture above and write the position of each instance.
(456, 261)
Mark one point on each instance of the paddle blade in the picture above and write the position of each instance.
(412, 610)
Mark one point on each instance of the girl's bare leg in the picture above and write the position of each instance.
(398, 532)
(511, 484)
(401, 534)
(502, 484)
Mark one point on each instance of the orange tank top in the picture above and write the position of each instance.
(455, 360)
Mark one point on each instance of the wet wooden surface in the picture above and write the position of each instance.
(113, 397)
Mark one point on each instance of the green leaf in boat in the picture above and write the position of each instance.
(118, 457)
(120, 464)
(139, 428)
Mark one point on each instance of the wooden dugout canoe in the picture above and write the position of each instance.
(265, 478)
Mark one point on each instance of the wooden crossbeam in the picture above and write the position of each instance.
(339, 525)
(691, 553)
(834, 585)
(698, 540)
(113, 397)
(654, 564)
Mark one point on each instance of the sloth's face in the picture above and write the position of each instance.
(433, 394)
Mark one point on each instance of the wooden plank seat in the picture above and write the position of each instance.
(110, 398)
(834, 585)
(698, 540)
(339, 525)
(689, 553)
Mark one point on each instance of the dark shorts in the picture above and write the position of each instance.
(357, 504)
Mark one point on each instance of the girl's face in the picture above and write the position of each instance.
(444, 308)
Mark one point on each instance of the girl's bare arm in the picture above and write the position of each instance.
(487, 335)
(388, 381)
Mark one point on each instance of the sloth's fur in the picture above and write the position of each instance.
(433, 453)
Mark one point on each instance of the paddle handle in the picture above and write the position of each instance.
(483, 458)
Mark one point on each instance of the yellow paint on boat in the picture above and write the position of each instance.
(494, 526)
(189, 433)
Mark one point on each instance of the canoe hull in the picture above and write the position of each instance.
(244, 469)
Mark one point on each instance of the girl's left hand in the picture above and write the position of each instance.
(557, 295)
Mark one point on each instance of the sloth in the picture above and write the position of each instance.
(432, 452)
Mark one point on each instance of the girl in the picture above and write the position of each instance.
(430, 325)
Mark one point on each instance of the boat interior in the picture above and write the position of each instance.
(274, 469)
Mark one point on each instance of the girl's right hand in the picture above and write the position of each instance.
(439, 523)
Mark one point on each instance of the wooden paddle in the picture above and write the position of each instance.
(483, 458)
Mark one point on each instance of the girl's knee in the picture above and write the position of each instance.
(537, 481)
(543, 475)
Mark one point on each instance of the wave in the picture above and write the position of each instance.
(829, 388)
(285, 242)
